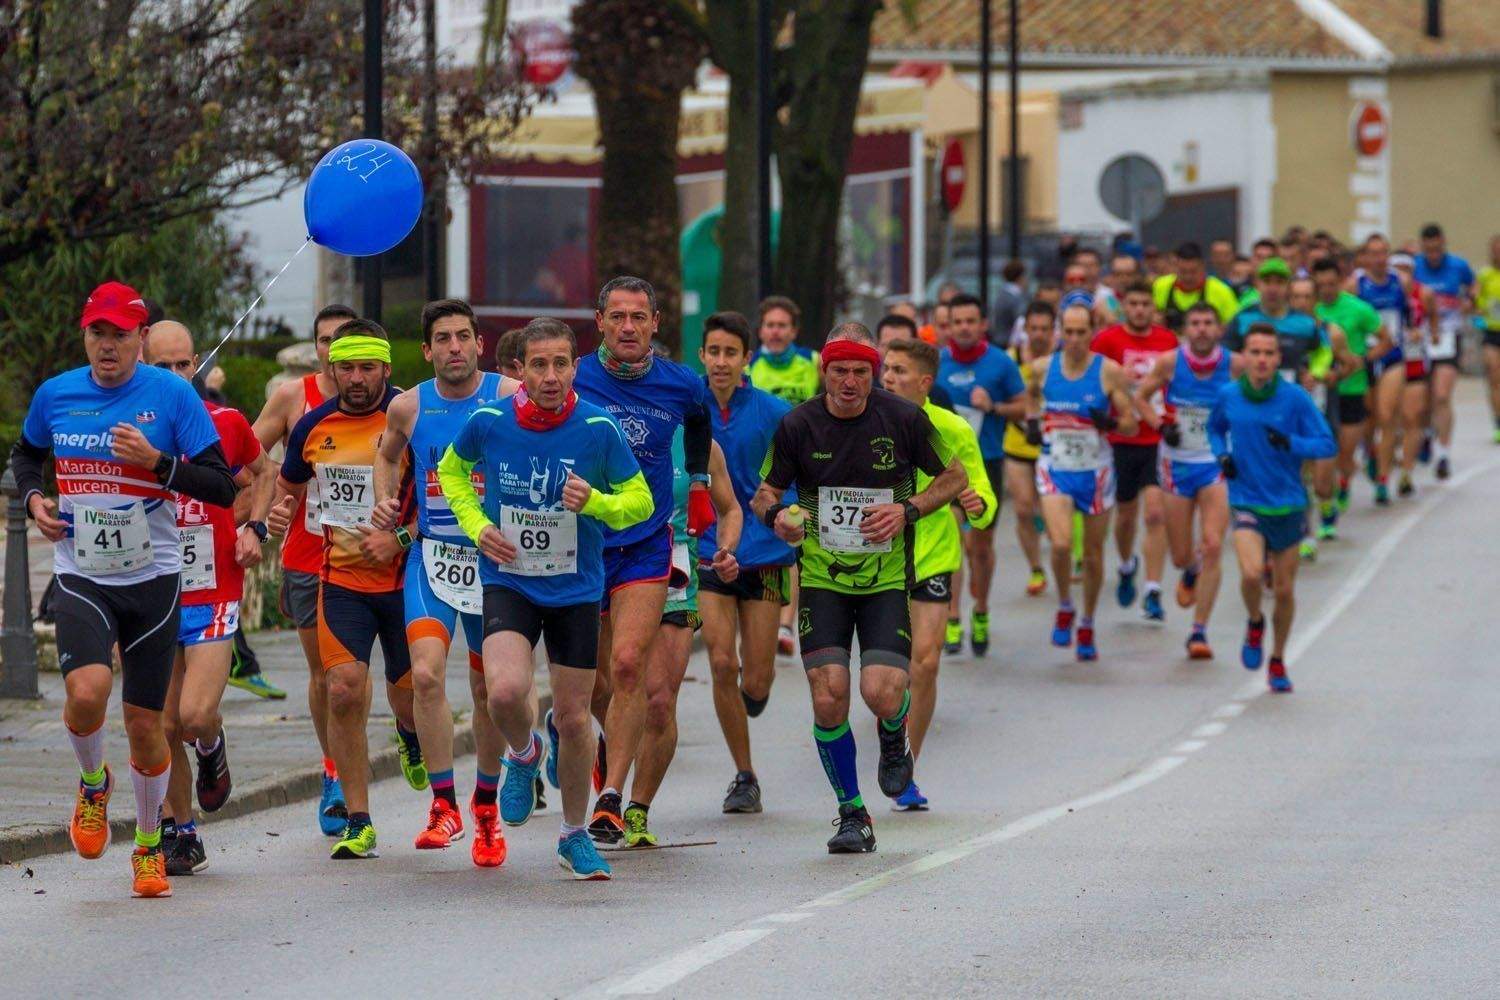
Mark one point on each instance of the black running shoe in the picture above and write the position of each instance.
(744, 794)
(856, 834)
(168, 827)
(213, 776)
(186, 855)
(895, 760)
(539, 787)
(606, 826)
(1444, 470)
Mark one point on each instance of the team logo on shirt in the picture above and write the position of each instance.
(885, 453)
(145, 416)
(635, 430)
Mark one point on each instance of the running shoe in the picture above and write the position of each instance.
(1125, 589)
(856, 832)
(1151, 609)
(744, 794)
(333, 815)
(518, 792)
(601, 767)
(488, 846)
(358, 841)
(149, 867)
(413, 767)
(186, 855)
(576, 853)
(539, 787)
(979, 632)
(1036, 584)
(1277, 678)
(168, 827)
(444, 826)
(1424, 454)
(1198, 647)
(1187, 587)
(1405, 489)
(1251, 651)
(89, 828)
(1382, 495)
(1086, 649)
(1328, 532)
(953, 637)
(257, 685)
(911, 799)
(636, 832)
(1444, 470)
(1342, 499)
(896, 762)
(213, 782)
(553, 740)
(1062, 628)
(1496, 436)
(786, 642)
(1308, 550)
(607, 826)
(1372, 470)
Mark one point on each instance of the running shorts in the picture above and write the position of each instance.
(571, 631)
(762, 583)
(936, 589)
(684, 618)
(828, 623)
(1387, 360)
(208, 623)
(1091, 492)
(143, 618)
(349, 622)
(1281, 531)
(646, 561)
(1135, 469)
(1492, 338)
(1186, 479)
(299, 597)
(430, 617)
(1352, 409)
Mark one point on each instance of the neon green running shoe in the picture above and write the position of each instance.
(953, 637)
(257, 685)
(1309, 550)
(979, 632)
(636, 834)
(357, 842)
(413, 767)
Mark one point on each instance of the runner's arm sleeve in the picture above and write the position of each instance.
(630, 501)
(1311, 437)
(454, 474)
(697, 436)
(28, 463)
(205, 476)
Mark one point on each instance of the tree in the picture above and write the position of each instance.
(638, 56)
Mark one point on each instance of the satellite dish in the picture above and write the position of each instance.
(1133, 189)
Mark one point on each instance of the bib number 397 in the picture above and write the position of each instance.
(546, 541)
(841, 510)
(106, 542)
(453, 574)
(348, 494)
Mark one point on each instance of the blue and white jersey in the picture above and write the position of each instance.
(436, 427)
(1071, 442)
(1447, 279)
(1191, 400)
(744, 430)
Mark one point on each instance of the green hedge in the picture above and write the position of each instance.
(245, 381)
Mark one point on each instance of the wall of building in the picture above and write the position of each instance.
(952, 111)
(1316, 164)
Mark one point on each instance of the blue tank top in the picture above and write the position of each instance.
(437, 425)
(1389, 299)
(1191, 399)
(1072, 442)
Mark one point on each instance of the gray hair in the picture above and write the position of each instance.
(626, 283)
(852, 331)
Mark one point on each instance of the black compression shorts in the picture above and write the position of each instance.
(349, 622)
(571, 631)
(828, 622)
(142, 617)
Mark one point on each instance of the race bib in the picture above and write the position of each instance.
(106, 542)
(1391, 319)
(1192, 425)
(348, 494)
(1319, 393)
(973, 416)
(312, 516)
(1076, 449)
(198, 571)
(681, 564)
(841, 510)
(546, 541)
(453, 574)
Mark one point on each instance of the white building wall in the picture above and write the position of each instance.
(274, 230)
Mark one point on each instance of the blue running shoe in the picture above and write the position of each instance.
(1087, 651)
(1062, 628)
(1277, 678)
(577, 854)
(1151, 608)
(1125, 590)
(911, 799)
(333, 815)
(518, 794)
(1252, 652)
(552, 741)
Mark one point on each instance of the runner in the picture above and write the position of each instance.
(1261, 431)
(441, 586)
(1451, 281)
(1071, 406)
(650, 397)
(118, 429)
(1389, 293)
(1191, 378)
(359, 599)
(1487, 302)
(1135, 345)
(853, 453)
(1361, 326)
(891, 329)
(987, 390)
(1021, 454)
(1329, 364)
(548, 457)
(908, 371)
(1190, 282)
(744, 418)
(214, 557)
(302, 549)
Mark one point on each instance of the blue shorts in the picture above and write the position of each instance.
(646, 561)
(1281, 531)
(201, 623)
(1389, 359)
(1185, 479)
(430, 617)
(1092, 492)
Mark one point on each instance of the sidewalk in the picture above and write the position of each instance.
(272, 749)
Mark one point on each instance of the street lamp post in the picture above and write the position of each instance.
(374, 118)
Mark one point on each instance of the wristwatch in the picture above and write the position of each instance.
(163, 468)
(910, 510)
(703, 478)
(403, 536)
(259, 527)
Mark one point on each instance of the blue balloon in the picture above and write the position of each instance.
(362, 199)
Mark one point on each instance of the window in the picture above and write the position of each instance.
(876, 236)
(537, 246)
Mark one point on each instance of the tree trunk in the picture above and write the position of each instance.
(731, 29)
(639, 56)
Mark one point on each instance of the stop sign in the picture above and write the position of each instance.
(953, 174)
(546, 51)
(1370, 129)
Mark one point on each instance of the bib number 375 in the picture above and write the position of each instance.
(841, 510)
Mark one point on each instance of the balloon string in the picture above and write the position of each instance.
(208, 360)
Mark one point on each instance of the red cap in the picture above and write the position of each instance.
(114, 303)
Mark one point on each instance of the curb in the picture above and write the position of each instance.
(270, 792)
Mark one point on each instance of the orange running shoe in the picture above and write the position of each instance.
(488, 847)
(1198, 647)
(150, 867)
(444, 826)
(89, 829)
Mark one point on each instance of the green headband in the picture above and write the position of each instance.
(359, 347)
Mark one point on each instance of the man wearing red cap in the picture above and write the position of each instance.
(118, 430)
(853, 453)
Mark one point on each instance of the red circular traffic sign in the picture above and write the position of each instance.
(953, 174)
(1370, 129)
(546, 51)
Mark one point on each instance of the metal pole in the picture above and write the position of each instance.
(374, 119)
(17, 640)
(1013, 209)
(433, 208)
(984, 153)
(763, 42)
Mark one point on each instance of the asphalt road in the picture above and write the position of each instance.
(1143, 826)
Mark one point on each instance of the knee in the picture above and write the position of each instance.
(506, 695)
(346, 694)
(1155, 516)
(429, 680)
(724, 666)
(828, 708)
(1283, 591)
(627, 669)
(572, 722)
(885, 699)
(1213, 549)
(198, 723)
(142, 727)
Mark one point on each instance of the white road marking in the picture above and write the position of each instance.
(1188, 746)
(658, 975)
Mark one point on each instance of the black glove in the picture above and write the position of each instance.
(1172, 434)
(1278, 440)
(1034, 431)
(1103, 419)
(1226, 464)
